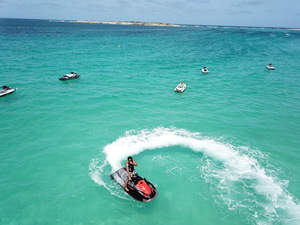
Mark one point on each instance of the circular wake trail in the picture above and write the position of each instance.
(236, 167)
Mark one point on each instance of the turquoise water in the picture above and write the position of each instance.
(226, 151)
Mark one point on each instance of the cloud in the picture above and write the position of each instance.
(2, 3)
(45, 5)
(238, 12)
(112, 7)
(171, 6)
(247, 3)
(139, 7)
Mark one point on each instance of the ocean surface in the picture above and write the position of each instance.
(225, 151)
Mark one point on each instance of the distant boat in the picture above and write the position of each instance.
(180, 87)
(6, 91)
(70, 76)
(270, 67)
(205, 70)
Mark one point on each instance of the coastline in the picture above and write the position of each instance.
(127, 23)
(138, 23)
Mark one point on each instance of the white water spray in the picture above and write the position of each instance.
(237, 167)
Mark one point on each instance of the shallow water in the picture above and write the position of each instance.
(226, 151)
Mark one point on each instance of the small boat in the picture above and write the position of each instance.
(270, 67)
(138, 188)
(70, 76)
(205, 70)
(6, 91)
(180, 87)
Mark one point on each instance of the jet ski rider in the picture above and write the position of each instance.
(130, 164)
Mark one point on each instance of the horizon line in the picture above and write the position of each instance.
(172, 24)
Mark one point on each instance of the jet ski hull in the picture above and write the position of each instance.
(205, 71)
(6, 92)
(140, 189)
(180, 88)
(70, 76)
(271, 67)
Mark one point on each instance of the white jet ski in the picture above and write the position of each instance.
(204, 70)
(270, 67)
(6, 91)
(180, 87)
(70, 76)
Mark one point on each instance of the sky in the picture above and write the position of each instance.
(257, 13)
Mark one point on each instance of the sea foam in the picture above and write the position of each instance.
(238, 169)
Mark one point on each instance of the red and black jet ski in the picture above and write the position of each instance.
(139, 188)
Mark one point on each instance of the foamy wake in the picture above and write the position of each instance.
(238, 167)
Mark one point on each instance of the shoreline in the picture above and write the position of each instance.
(138, 23)
(126, 23)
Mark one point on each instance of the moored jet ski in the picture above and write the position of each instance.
(5, 90)
(180, 87)
(270, 67)
(204, 70)
(70, 76)
(139, 188)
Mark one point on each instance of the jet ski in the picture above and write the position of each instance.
(138, 188)
(270, 67)
(6, 91)
(180, 87)
(204, 70)
(70, 76)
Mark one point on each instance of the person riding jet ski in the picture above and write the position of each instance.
(130, 164)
